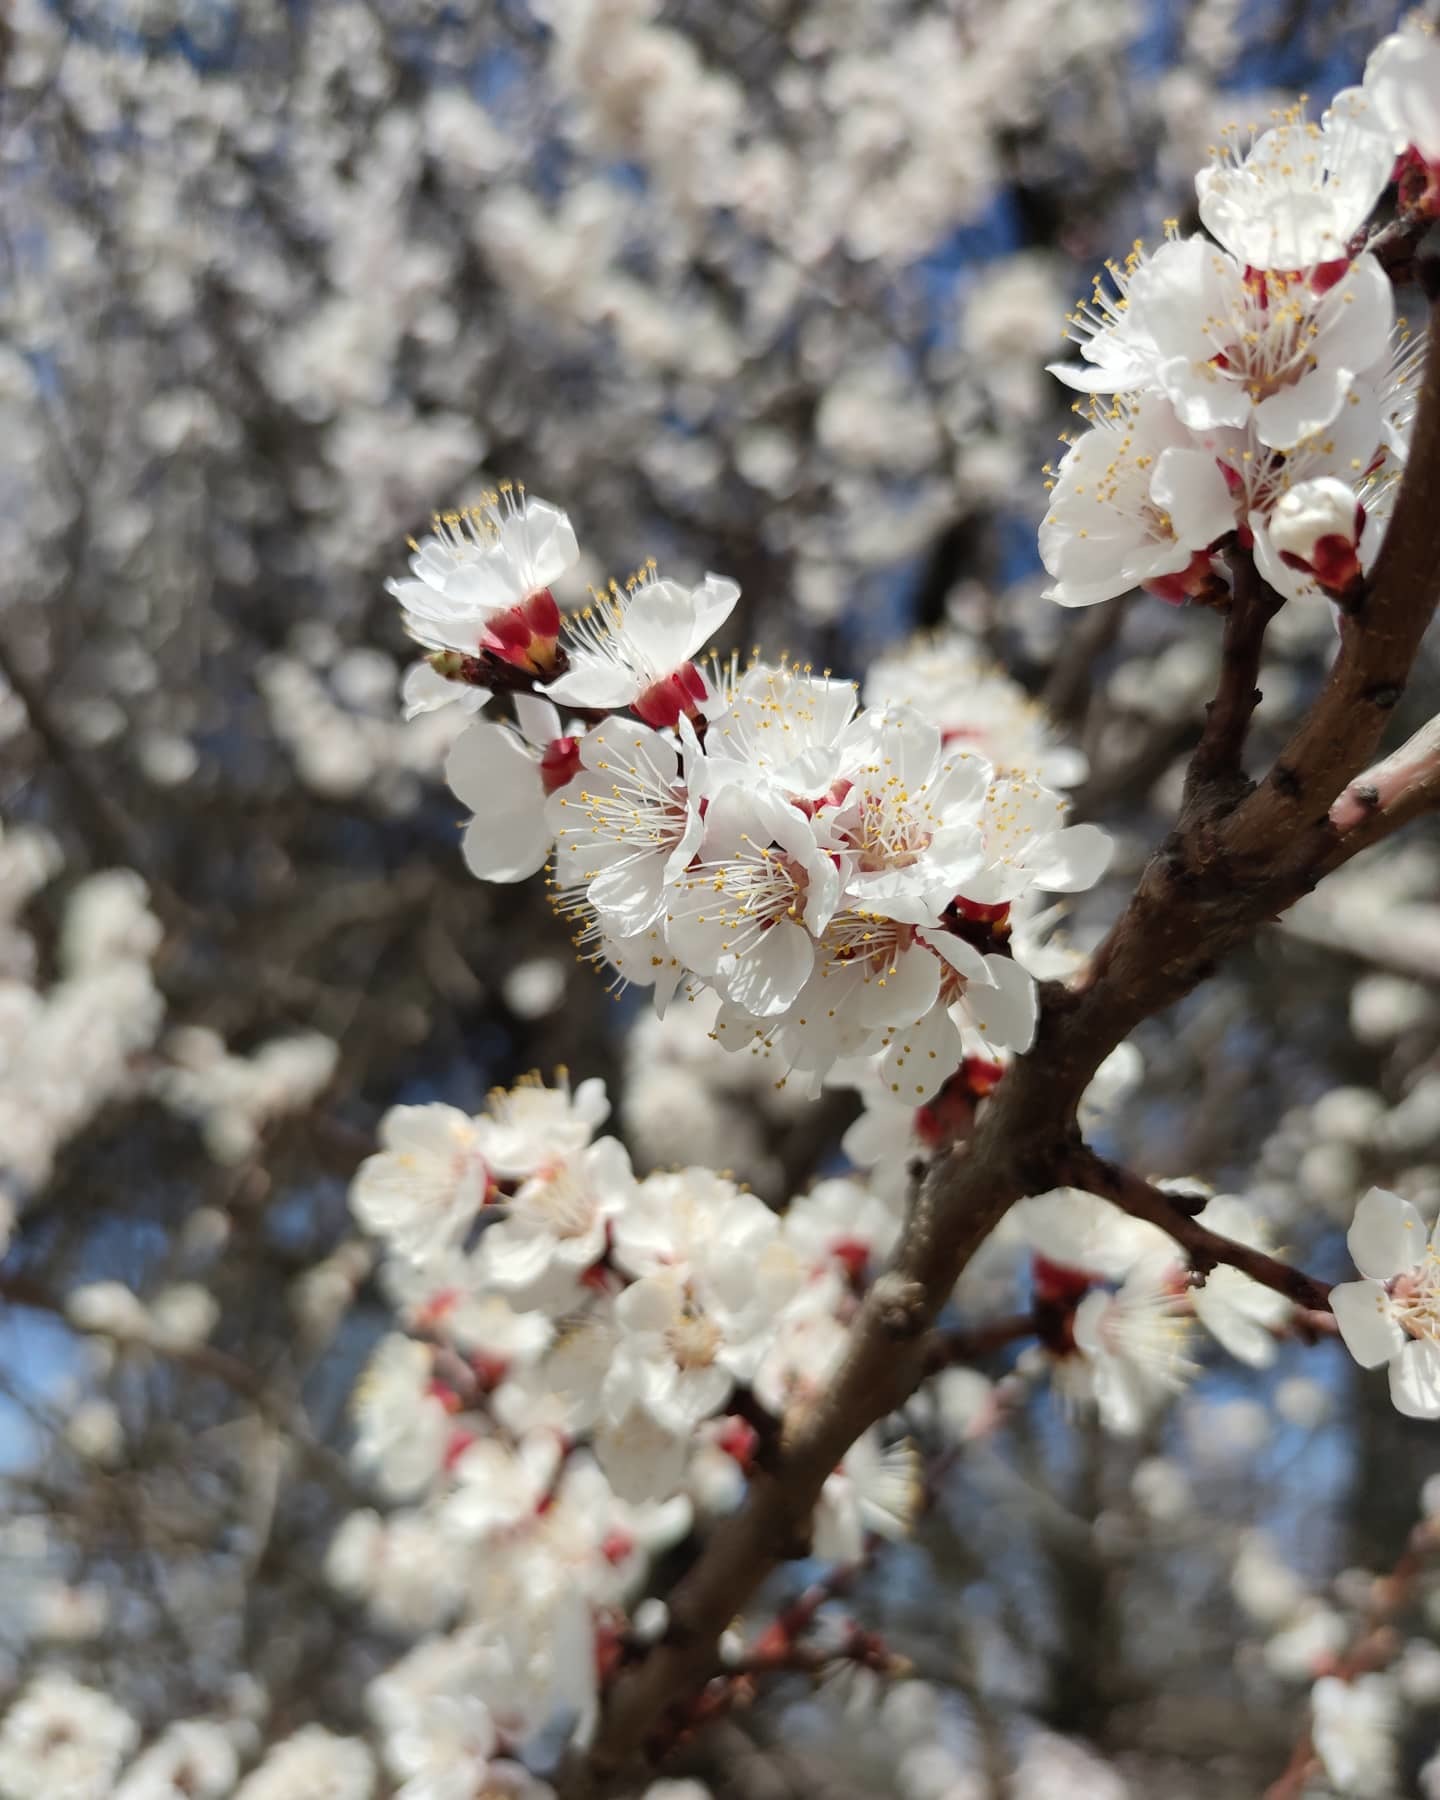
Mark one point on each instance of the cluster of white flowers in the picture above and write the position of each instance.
(584, 1356)
(334, 710)
(233, 1098)
(846, 880)
(67, 1049)
(1118, 1305)
(1263, 393)
(62, 1738)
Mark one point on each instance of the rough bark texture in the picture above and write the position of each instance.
(1239, 856)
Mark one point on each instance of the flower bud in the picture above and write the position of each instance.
(1316, 528)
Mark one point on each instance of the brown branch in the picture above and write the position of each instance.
(108, 828)
(1216, 771)
(1379, 639)
(204, 1359)
(1219, 876)
(1204, 1249)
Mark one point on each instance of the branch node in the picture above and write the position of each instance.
(901, 1306)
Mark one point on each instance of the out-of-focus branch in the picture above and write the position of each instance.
(1375, 1646)
(101, 819)
(204, 1359)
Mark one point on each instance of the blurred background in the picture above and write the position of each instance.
(766, 288)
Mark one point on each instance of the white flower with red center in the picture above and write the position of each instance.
(905, 817)
(1402, 85)
(714, 1275)
(1134, 503)
(194, 1759)
(504, 776)
(629, 821)
(1071, 1229)
(948, 679)
(62, 1738)
(497, 1488)
(1134, 1344)
(556, 1225)
(422, 1189)
(1392, 1316)
(1028, 844)
(841, 1224)
(679, 1354)
(481, 582)
(635, 648)
(746, 912)
(1299, 194)
(402, 1418)
(876, 1488)
(1285, 349)
(525, 1127)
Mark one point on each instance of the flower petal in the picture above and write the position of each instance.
(1386, 1236)
(1372, 1335)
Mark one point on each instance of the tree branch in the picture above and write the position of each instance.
(1204, 1249)
(1378, 642)
(1216, 770)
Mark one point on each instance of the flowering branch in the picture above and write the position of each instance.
(1379, 638)
(1204, 1249)
(1204, 893)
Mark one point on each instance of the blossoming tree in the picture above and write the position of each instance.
(612, 1403)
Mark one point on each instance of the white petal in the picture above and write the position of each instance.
(490, 770)
(595, 682)
(1372, 1335)
(1072, 860)
(905, 992)
(768, 977)
(661, 623)
(1006, 1013)
(1295, 413)
(424, 691)
(538, 720)
(1415, 1380)
(511, 847)
(1386, 1236)
(1191, 488)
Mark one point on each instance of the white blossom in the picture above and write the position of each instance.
(1393, 1315)
(60, 1737)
